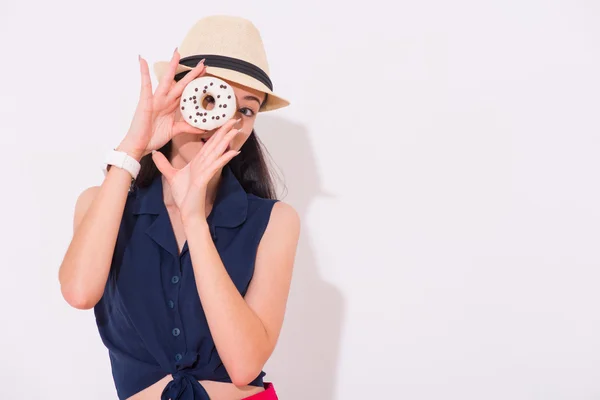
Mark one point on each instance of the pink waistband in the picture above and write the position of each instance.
(267, 394)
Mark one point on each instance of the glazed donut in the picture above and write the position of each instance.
(193, 96)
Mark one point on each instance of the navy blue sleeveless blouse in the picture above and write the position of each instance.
(150, 316)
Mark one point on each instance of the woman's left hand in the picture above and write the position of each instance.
(188, 184)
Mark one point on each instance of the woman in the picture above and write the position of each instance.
(188, 267)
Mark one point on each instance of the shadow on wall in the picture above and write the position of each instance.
(305, 360)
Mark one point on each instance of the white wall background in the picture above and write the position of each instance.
(443, 156)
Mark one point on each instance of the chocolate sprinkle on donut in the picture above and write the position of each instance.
(197, 107)
(184, 100)
(196, 89)
(183, 108)
(213, 117)
(190, 117)
(211, 84)
(229, 96)
(220, 105)
(218, 96)
(224, 115)
(225, 105)
(203, 119)
(218, 117)
(204, 91)
(197, 113)
(195, 120)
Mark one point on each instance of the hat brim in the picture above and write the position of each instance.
(273, 100)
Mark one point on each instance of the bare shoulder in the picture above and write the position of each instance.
(284, 220)
(85, 199)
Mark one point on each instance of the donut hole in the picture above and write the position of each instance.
(208, 102)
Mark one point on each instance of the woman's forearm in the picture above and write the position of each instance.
(239, 334)
(85, 266)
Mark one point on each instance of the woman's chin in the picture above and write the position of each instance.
(189, 148)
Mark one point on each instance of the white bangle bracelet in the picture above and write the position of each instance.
(122, 160)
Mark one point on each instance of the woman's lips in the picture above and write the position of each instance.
(203, 140)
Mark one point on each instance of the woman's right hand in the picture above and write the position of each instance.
(154, 122)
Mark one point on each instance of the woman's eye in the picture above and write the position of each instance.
(247, 112)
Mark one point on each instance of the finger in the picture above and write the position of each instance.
(207, 149)
(209, 156)
(182, 126)
(177, 89)
(214, 166)
(169, 76)
(163, 165)
(146, 85)
(225, 158)
(225, 143)
(219, 134)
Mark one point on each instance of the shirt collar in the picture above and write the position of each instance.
(229, 210)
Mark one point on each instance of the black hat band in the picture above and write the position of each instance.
(234, 64)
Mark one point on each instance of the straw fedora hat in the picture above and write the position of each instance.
(233, 50)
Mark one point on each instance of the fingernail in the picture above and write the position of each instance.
(153, 151)
(201, 62)
(139, 58)
(175, 51)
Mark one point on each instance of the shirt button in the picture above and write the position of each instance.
(175, 279)
(171, 304)
(178, 357)
(176, 332)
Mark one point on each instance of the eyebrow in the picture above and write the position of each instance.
(253, 98)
